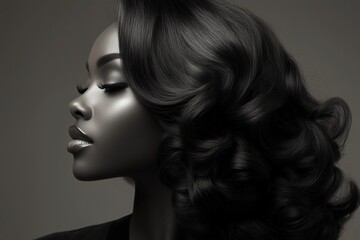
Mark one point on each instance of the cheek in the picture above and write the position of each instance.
(128, 137)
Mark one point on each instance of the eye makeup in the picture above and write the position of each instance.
(112, 87)
(111, 72)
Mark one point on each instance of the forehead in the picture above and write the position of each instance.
(107, 42)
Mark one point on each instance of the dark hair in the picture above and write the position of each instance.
(248, 152)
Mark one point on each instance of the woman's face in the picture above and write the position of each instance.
(125, 136)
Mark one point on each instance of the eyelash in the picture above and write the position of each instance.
(112, 87)
(109, 88)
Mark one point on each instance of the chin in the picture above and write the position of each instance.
(83, 172)
(84, 176)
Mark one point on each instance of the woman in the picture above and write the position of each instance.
(200, 104)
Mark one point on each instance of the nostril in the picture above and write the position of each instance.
(79, 109)
(79, 113)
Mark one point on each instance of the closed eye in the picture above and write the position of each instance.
(112, 87)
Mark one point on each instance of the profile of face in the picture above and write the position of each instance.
(123, 135)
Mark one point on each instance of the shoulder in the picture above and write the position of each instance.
(96, 231)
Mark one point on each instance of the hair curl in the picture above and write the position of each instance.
(248, 152)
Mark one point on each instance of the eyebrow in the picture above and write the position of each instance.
(107, 58)
(104, 59)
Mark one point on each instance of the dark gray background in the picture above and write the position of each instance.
(43, 49)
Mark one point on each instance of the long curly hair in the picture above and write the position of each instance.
(248, 152)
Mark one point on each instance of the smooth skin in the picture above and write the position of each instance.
(126, 139)
(125, 135)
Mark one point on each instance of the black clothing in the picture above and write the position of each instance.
(117, 229)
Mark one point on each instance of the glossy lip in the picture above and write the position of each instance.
(76, 145)
(80, 140)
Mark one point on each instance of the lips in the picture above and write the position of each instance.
(80, 140)
(76, 133)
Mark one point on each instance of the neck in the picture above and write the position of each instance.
(153, 217)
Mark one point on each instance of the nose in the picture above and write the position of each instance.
(79, 109)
